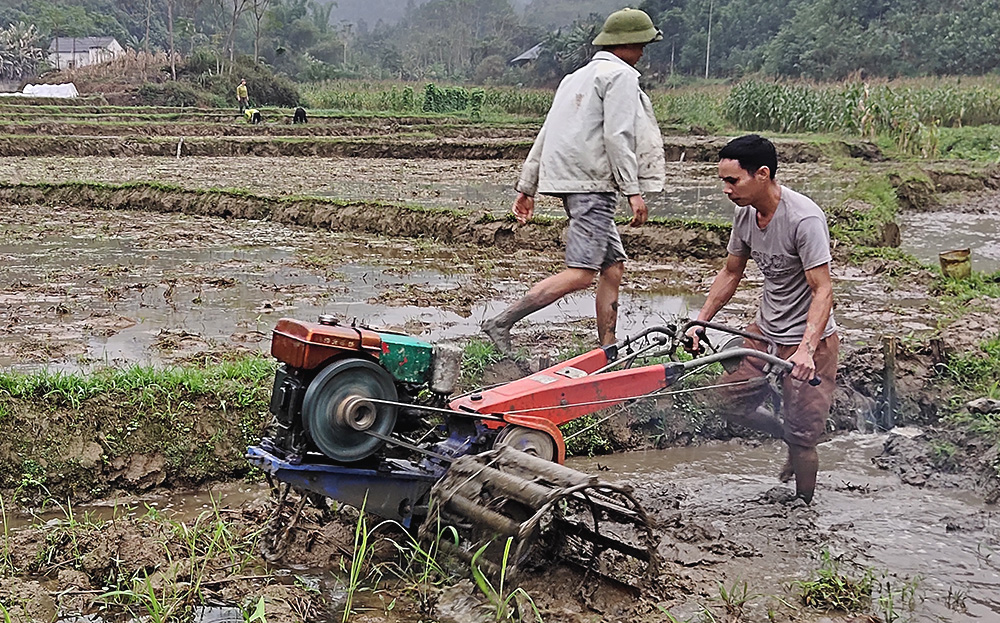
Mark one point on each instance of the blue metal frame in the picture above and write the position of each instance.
(396, 490)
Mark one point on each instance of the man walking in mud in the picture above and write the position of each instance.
(599, 139)
(786, 235)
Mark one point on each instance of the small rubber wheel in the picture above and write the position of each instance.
(529, 440)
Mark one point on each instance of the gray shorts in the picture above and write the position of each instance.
(592, 240)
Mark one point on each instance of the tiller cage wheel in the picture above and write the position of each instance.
(503, 495)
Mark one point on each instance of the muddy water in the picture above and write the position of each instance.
(123, 288)
(945, 542)
(926, 234)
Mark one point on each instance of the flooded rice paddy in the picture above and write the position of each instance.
(693, 190)
(119, 288)
(926, 234)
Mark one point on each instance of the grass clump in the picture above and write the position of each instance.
(860, 220)
(478, 355)
(878, 594)
(977, 285)
(197, 418)
(833, 590)
(585, 436)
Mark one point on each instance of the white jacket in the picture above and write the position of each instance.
(600, 135)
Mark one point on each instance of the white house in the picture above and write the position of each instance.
(71, 52)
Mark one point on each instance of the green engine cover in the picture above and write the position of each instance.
(406, 358)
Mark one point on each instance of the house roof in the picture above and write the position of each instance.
(78, 44)
(527, 56)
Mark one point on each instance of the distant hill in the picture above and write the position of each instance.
(550, 13)
(555, 13)
(371, 11)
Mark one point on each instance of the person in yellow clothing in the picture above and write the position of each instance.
(242, 96)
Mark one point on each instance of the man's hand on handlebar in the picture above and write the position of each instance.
(804, 365)
(692, 340)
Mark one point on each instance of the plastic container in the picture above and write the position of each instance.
(956, 264)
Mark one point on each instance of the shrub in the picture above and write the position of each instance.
(177, 94)
(264, 86)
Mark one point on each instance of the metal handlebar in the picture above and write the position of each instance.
(745, 352)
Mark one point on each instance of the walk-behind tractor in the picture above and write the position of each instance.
(368, 419)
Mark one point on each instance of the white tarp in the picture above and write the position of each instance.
(49, 90)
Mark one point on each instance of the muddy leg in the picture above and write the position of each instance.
(765, 421)
(543, 294)
(608, 285)
(787, 471)
(805, 464)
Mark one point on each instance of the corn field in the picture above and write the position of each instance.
(362, 96)
(908, 114)
(20, 56)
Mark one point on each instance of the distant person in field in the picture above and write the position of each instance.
(786, 235)
(253, 116)
(242, 96)
(300, 115)
(600, 139)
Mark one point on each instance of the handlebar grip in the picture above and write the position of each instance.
(688, 343)
(814, 381)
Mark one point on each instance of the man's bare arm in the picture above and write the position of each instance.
(821, 286)
(723, 287)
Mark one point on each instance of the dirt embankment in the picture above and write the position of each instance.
(492, 145)
(378, 147)
(129, 442)
(229, 127)
(656, 239)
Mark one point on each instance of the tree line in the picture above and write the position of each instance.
(474, 40)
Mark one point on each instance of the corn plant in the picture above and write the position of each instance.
(908, 114)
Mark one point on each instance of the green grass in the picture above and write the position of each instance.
(961, 291)
(145, 385)
(585, 436)
(186, 413)
(477, 356)
(427, 99)
(980, 143)
(868, 206)
(978, 370)
(832, 589)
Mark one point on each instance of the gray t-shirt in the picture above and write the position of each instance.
(796, 240)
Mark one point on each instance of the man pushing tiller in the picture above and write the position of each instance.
(786, 235)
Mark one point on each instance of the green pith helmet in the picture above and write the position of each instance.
(628, 26)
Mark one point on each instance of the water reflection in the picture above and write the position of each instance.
(926, 234)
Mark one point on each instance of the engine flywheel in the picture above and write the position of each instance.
(337, 409)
